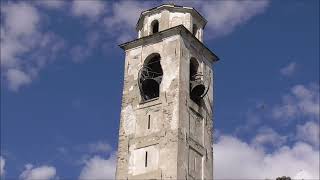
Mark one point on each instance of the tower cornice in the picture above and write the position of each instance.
(180, 29)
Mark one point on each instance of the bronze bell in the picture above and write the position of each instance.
(197, 89)
(150, 87)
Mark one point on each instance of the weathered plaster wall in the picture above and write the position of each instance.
(195, 122)
(160, 141)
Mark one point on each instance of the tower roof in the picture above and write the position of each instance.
(172, 8)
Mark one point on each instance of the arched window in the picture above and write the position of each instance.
(155, 26)
(194, 29)
(150, 77)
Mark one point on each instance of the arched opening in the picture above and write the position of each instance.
(197, 87)
(194, 29)
(194, 65)
(150, 77)
(155, 26)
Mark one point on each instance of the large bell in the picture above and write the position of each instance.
(197, 89)
(150, 88)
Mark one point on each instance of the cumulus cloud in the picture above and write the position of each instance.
(17, 78)
(303, 175)
(90, 9)
(309, 132)
(37, 173)
(289, 69)
(21, 18)
(235, 159)
(2, 165)
(301, 101)
(299, 160)
(20, 21)
(224, 16)
(99, 168)
(25, 48)
(99, 146)
(124, 23)
(130, 18)
(268, 136)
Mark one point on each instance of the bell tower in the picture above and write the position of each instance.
(166, 121)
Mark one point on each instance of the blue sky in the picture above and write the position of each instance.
(61, 86)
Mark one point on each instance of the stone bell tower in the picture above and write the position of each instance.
(166, 117)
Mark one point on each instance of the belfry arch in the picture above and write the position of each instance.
(197, 87)
(150, 77)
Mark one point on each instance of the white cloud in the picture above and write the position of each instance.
(235, 159)
(308, 99)
(267, 136)
(25, 49)
(23, 36)
(91, 9)
(37, 173)
(17, 78)
(289, 69)
(123, 24)
(99, 147)
(309, 132)
(302, 101)
(99, 168)
(21, 18)
(90, 150)
(224, 16)
(94, 147)
(130, 18)
(303, 175)
(20, 21)
(2, 165)
(300, 160)
(10, 48)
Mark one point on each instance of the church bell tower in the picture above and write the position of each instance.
(166, 121)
